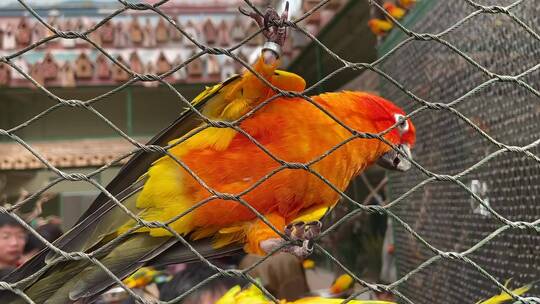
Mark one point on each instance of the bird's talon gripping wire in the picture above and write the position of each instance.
(274, 29)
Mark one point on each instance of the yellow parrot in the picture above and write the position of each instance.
(253, 295)
(341, 284)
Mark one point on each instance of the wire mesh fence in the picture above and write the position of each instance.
(442, 213)
(492, 148)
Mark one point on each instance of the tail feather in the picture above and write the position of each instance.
(122, 261)
(91, 232)
(81, 280)
(54, 279)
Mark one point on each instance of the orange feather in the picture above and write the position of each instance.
(291, 129)
(407, 4)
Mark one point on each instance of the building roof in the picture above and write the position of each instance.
(64, 153)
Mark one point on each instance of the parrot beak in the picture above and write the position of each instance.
(395, 161)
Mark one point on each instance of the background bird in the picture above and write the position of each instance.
(380, 27)
(406, 4)
(253, 295)
(394, 10)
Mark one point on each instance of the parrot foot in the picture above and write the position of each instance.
(298, 231)
(301, 231)
(303, 251)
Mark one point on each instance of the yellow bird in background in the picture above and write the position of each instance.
(394, 10)
(253, 295)
(380, 27)
(342, 283)
(504, 297)
(406, 4)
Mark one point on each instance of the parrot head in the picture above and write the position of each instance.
(389, 6)
(403, 136)
(366, 112)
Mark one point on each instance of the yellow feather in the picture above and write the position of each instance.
(318, 300)
(504, 297)
(203, 233)
(288, 81)
(229, 235)
(253, 295)
(311, 214)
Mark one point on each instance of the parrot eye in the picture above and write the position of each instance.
(403, 124)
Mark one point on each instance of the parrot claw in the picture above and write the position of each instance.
(299, 231)
(300, 251)
(303, 231)
(273, 25)
(303, 251)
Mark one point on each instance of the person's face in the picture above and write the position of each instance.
(12, 241)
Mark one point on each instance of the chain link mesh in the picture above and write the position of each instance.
(418, 196)
(482, 142)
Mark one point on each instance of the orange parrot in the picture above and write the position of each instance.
(379, 27)
(291, 129)
(394, 10)
(406, 4)
(158, 188)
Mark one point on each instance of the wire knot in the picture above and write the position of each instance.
(219, 124)
(76, 177)
(148, 77)
(451, 255)
(216, 51)
(153, 148)
(228, 196)
(72, 103)
(70, 34)
(152, 224)
(495, 9)
(136, 6)
(296, 166)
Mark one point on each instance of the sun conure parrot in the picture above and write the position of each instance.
(291, 129)
(406, 4)
(253, 295)
(157, 188)
(394, 10)
(379, 27)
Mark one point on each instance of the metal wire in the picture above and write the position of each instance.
(422, 106)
